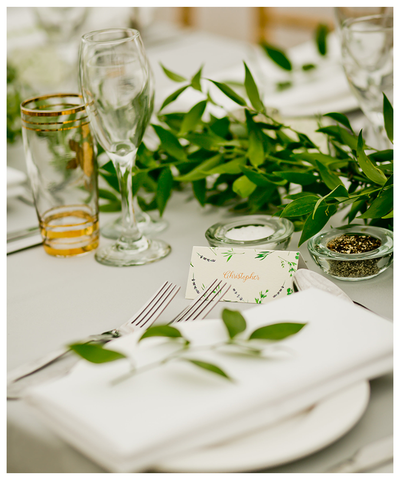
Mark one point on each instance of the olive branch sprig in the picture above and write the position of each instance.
(235, 325)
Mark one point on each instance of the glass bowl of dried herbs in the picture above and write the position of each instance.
(353, 252)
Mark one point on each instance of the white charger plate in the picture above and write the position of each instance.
(295, 438)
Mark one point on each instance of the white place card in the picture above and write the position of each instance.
(256, 275)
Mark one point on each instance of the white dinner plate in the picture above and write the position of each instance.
(295, 438)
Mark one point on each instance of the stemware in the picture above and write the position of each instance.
(367, 56)
(146, 224)
(116, 84)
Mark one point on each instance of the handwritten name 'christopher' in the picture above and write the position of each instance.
(240, 276)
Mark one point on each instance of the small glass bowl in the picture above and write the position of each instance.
(281, 232)
(352, 266)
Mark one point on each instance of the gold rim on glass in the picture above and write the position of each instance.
(52, 113)
(31, 117)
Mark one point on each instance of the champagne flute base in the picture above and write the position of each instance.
(146, 224)
(127, 255)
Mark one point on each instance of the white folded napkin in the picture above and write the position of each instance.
(171, 409)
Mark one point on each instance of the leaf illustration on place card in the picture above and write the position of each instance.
(261, 297)
(292, 266)
(229, 254)
(255, 275)
(263, 255)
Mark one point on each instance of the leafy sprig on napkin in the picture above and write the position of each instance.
(235, 324)
(251, 162)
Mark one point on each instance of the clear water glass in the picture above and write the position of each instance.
(367, 56)
(117, 86)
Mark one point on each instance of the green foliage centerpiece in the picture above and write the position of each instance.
(251, 162)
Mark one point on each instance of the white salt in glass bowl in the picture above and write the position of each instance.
(252, 231)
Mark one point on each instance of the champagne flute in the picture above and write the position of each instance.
(367, 57)
(116, 84)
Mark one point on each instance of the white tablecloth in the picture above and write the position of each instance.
(54, 301)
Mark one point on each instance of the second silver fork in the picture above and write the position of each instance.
(61, 362)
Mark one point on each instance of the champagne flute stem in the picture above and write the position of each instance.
(131, 231)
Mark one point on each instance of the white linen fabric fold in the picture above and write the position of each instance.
(165, 411)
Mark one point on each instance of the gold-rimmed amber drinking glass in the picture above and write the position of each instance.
(61, 161)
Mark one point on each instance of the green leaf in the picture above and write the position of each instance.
(338, 192)
(277, 331)
(173, 76)
(170, 143)
(221, 127)
(389, 215)
(301, 206)
(370, 170)
(280, 86)
(262, 179)
(209, 141)
(195, 82)
(202, 170)
(277, 56)
(388, 117)
(255, 152)
(316, 221)
(233, 167)
(173, 120)
(164, 188)
(320, 38)
(234, 322)
(328, 177)
(341, 135)
(382, 156)
(95, 353)
(339, 117)
(108, 195)
(109, 168)
(252, 90)
(308, 66)
(314, 157)
(193, 117)
(161, 331)
(381, 206)
(300, 178)
(243, 186)
(210, 367)
(199, 190)
(305, 140)
(171, 98)
(112, 180)
(230, 93)
(110, 207)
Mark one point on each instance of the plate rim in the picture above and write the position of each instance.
(316, 443)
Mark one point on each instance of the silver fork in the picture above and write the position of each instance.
(202, 305)
(146, 316)
(61, 363)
